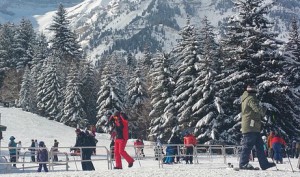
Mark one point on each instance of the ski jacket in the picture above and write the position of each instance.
(121, 126)
(269, 142)
(251, 113)
(190, 140)
(277, 139)
(12, 147)
(42, 155)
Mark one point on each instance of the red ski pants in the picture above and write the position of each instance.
(120, 151)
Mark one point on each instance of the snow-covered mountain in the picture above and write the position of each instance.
(104, 26)
(129, 25)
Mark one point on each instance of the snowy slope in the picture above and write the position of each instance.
(25, 126)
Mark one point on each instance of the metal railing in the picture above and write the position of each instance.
(64, 156)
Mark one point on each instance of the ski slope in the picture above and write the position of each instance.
(26, 126)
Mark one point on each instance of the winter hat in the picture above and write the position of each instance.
(251, 88)
(117, 113)
(41, 144)
(12, 138)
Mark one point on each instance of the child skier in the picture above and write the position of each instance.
(277, 143)
(42, 157)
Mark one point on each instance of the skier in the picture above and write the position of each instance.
(252, 114)
(177, 141)
(158, 150)
(12, 150)
(55, 150)
(83, 140)
(277, 143)
(42, 156)
(19, 147)
(32, 150)
(120, 122)
(189, 143)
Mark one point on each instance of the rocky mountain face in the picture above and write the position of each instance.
(104, 26)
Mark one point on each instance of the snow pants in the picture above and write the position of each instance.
(277, 152)
(87, 165)
(42, 165)
(120, 151)
(249, 140)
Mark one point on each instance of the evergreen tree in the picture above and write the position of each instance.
(137, 96)
(64, 41)
(26, 92)
(207, 122)
(40, 54)
(292, 54)
(73, 112)
(162, 117)
(186, 53)
(49, 92)
(112, 92)
(89, 93)
(24, 42)
(7, 32)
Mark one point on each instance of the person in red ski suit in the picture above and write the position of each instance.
(120, 123)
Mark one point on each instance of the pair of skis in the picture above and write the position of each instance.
(231, 166)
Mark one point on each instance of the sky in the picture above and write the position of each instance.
(25, 126)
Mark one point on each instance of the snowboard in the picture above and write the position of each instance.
(231, 166)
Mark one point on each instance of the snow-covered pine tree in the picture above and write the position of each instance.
(26, 95)
(162, 117)
(112, 92)
(64, 41)
(137, 96)
(73, 112)
(89, 92)
(104, 101)
(6, 49)
(49, 92)
(207, 122)
(186, 54)
(24, 42)
(40, 54)
(254, 57)
(292, 54)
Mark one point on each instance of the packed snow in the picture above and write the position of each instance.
(25, 126)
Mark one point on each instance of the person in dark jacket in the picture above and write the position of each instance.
(12, 150)
(42, 156)
(176, 140)
(120, 122)
(32, 150)
(83, 140)
(252, 113)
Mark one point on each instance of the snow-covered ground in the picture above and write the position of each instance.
(26, 126)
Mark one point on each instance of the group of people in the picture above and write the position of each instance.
(38, 151)
(119, 136)
(173, 148)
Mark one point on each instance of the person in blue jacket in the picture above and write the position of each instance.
(42, 157)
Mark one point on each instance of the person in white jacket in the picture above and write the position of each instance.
(19, 147)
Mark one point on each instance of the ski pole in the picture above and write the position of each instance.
(274, 163)
(289, 160)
